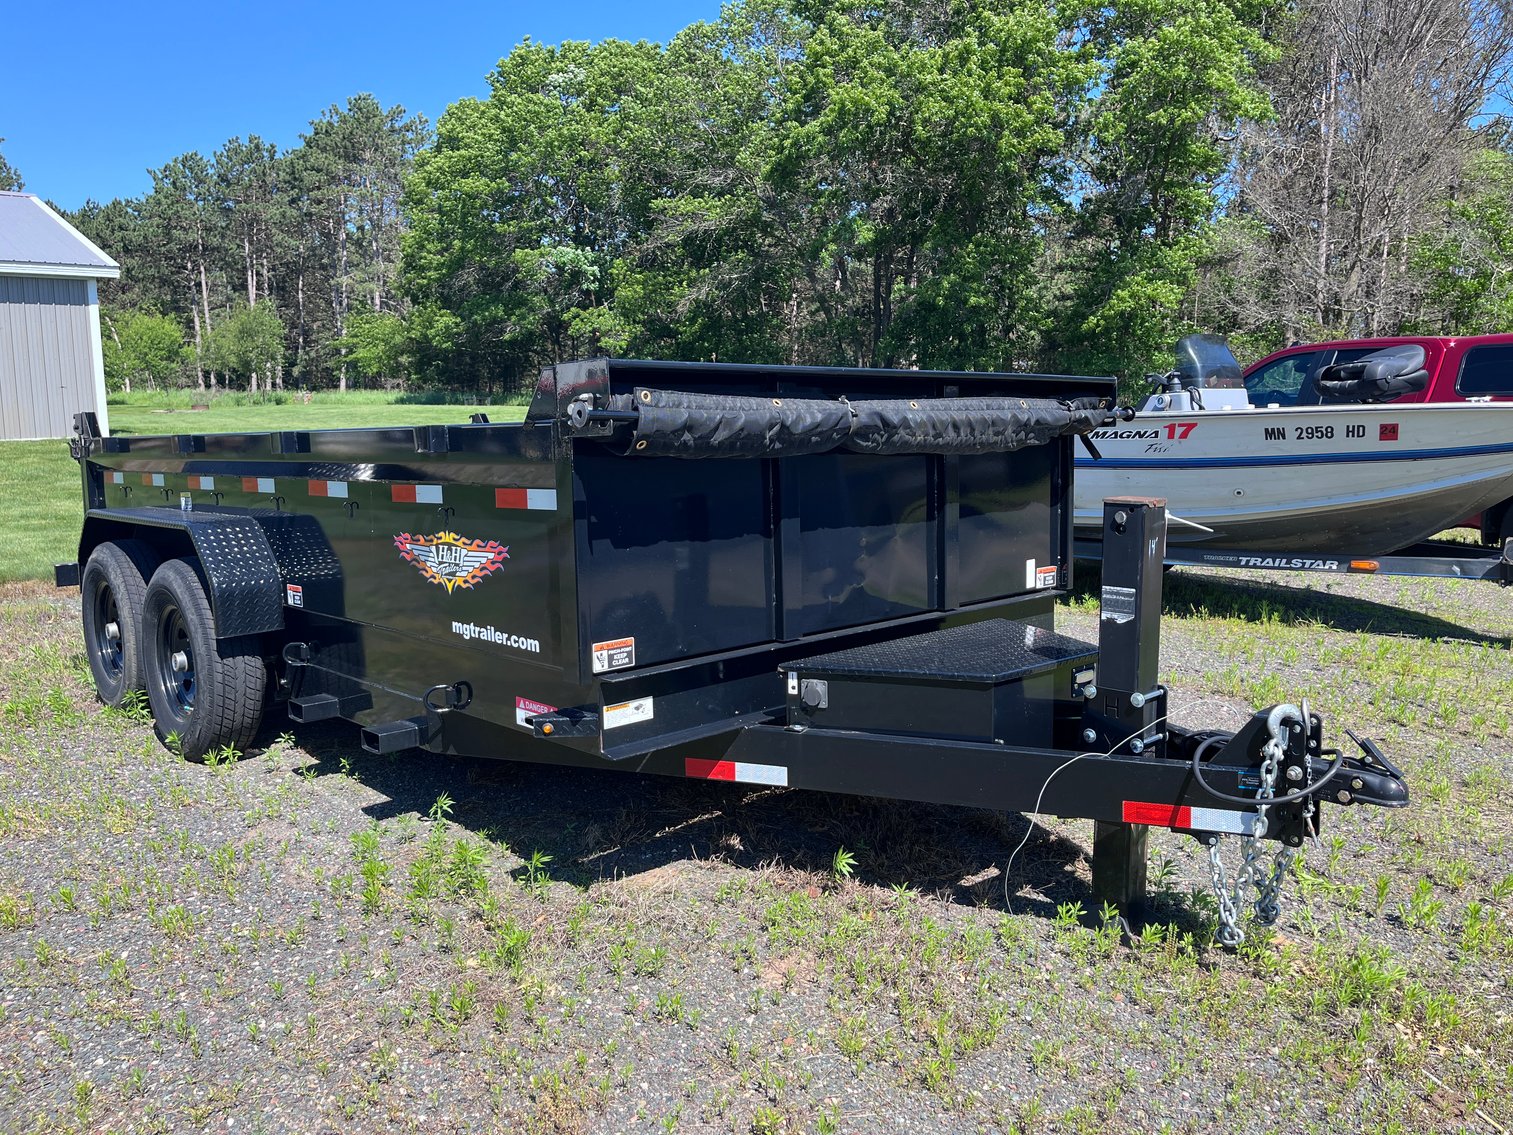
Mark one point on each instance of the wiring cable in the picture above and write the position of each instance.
(1252, 801)
(1198, 753)
(1034, 823)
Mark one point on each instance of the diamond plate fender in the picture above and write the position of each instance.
(241, 572)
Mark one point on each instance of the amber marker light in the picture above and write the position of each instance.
(1364, 565)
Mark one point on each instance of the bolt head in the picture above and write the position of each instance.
(1089, 736)
(1357, 784)
(1137, 699)
(1137, 746)
(1342, 796)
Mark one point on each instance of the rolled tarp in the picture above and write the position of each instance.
(672, 423)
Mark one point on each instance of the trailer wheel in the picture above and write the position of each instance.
(206, 693)
(113, 589)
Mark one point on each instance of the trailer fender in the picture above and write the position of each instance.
(234, 554)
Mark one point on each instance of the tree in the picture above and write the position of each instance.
(378, 345)
(1466, 260)
(10, 176)
(353, 164)
(248, 343)
(1170, 83)
(928, 145)
(1376, 107)
(142, 347)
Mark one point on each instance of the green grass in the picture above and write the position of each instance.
(39, 483)
(162, 413)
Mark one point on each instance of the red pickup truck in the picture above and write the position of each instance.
(1473, 367)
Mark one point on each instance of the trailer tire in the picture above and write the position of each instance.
(112, 592)
(206, 693)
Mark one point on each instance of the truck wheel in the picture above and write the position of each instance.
(206, 693)
(113, 589)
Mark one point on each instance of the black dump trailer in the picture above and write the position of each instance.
(830, 579)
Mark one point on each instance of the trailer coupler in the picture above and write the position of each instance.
(1294, 774)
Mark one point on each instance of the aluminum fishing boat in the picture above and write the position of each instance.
(1348, 473)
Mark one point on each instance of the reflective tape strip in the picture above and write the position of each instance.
(152, 478)
(328, 488)
(1193, 819)
(415, 494)
(544, 499)
(257, 484)
(736, 770)
(206, 483)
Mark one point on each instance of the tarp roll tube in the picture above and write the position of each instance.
(677, 424)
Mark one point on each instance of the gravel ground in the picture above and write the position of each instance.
(314, 939)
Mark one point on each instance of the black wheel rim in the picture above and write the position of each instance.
(175, 662)
(108, 649)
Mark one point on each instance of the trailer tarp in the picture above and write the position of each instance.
(679, 424)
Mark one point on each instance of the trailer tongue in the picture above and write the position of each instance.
(821, 578)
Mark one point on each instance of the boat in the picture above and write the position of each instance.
(1349, 474)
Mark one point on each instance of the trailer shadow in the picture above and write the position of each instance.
(1218, 595)
(603, 825)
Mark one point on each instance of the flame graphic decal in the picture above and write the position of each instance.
(450, 560)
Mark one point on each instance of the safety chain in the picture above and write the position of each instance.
(1267, 884)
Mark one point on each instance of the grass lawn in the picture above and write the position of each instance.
(324, 412)
(39, 483)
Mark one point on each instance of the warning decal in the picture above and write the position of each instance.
(614, 655)
(628, 713)
(1046, 577)
(525, 709)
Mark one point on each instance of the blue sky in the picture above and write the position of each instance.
(94, 94)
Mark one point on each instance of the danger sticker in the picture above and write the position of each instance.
(525, 709)
(628, 713)
(294, 595)
(1046, 577)
(614, 655)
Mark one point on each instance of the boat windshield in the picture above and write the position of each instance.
(1206, 362)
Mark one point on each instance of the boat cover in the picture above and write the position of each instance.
(674, 423)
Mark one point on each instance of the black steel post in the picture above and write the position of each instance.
(1130, 703)
(1129, 712)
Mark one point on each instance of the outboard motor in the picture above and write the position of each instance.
(1378, 377)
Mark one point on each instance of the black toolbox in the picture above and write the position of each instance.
(997, 680)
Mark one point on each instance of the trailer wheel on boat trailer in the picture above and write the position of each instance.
(833, 579)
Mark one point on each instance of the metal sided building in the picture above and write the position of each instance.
(51, 364)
